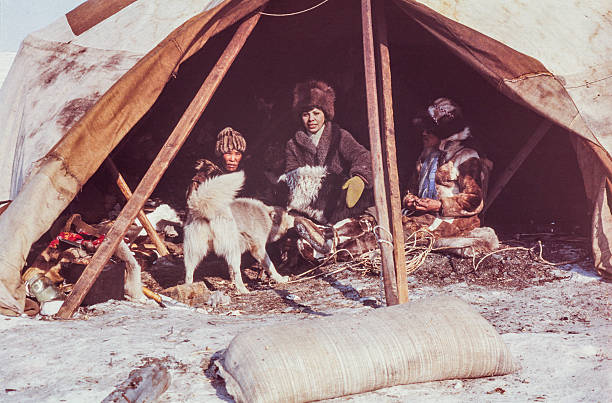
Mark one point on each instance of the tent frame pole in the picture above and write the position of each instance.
(389, 151)
(517, 161)
(153, 175)
(376, 150)
(146, 224)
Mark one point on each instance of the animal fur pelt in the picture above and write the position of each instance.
(218, 221)
(478, 240)
(314, 192)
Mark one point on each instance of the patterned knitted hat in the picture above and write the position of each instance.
(229, 139)
(314, 94)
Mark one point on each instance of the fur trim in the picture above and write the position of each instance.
(229, 139)
(314, 94)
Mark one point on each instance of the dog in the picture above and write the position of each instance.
(229, 226)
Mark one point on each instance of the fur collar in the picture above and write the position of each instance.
(320, 152)
(453, 144)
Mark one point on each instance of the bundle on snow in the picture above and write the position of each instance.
(432, 339)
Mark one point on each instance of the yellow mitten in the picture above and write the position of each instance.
(354, 188)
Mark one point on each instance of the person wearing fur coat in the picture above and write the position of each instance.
(320, 142)
(452, 178)
(229, 150)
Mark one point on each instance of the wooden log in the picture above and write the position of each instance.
(158, 167)
(144, 384)
(127, 193)
(92, 12)
(380, 194)
(518, 160)
(389, 152)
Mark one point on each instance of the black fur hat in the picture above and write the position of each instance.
(314, 94)
(448, 117)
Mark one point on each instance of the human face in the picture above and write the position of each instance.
(231, 160)
(430, 140)
(313, 120)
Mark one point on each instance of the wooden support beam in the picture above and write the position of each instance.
(518, 160)
(127, 193)
(92, 12)
(157, 168)
(380, 193)
(389, 152)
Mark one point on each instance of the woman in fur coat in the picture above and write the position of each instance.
(319, 142)
(451, 175)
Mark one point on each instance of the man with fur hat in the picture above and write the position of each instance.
(452, 178)
(229, 149)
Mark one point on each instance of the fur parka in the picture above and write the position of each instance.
(460, 179)
(350, 158)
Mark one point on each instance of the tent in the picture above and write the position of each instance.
(80, 85)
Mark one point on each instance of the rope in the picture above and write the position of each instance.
(294, 13)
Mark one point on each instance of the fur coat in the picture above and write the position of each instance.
(349, 159)
(460, 181)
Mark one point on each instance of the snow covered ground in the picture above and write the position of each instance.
(559, 332)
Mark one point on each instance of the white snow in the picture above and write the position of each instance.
(558, 332)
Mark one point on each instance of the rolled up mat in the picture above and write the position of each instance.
(431, 339)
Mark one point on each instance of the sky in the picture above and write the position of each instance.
(20, 17)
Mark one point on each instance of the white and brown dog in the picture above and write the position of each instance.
(230, 226)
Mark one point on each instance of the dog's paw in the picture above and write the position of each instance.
(242, 290)
(281, 279)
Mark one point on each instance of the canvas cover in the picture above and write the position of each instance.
(78, 86)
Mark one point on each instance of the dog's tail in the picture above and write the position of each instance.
(213, 197)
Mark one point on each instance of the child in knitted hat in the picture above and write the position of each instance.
(229, 148)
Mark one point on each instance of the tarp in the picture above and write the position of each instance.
(69, 99)
(553, 56)
(59, 137)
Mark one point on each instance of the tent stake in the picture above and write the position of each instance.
(380, 193)
(389, 152)
(518, 160)
(146, 224)
(157, 168)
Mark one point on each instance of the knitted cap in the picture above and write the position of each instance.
(229, 139)
(314, 94)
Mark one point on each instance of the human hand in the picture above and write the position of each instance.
(409, 201)
(423, 204)
(354, 186)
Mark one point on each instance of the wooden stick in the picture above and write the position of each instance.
(380, 194)
(92, 12)
(389, 152)
(158, 167)
(125, 190)
(518, 160)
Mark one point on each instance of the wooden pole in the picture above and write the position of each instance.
(380, 194)
(389, 152)
(518, 160)
(125, 190)
(157, 168)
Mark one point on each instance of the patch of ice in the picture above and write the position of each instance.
(578, 273)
